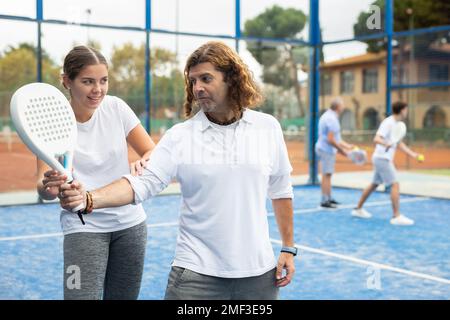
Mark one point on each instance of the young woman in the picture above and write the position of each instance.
(104, 257)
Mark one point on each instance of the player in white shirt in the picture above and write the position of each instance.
(384, 168)
(228, 160)
(108, 248)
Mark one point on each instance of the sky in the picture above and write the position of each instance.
(201, 16)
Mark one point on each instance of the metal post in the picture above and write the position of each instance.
(314, 76)
(389, 26)
(237, 23)
(148, 78)
(88, 21)
(412, 70)
(39, 18)
(177, 27)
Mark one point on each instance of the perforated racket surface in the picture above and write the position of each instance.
(45, 122)
(358, 156)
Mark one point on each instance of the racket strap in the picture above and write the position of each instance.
(89, 207)
(80, 215)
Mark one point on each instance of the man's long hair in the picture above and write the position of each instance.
(242, 89)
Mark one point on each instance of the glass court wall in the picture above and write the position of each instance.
(301, 52)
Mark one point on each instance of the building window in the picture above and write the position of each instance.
(347, 82)
(347, 120)
(370, 80)
(435, 118)
(438, 73)
(371, 119)
(325, 84)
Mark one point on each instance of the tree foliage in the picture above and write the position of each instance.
(126, 73)
(425, 14)
(127, 76)
(18, 66)
(280, 62)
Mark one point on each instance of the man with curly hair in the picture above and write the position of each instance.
(228, 160)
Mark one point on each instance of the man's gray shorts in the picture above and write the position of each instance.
(185, 284)
(385, 172)
(328, 160)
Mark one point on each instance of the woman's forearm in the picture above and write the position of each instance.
(43, 194)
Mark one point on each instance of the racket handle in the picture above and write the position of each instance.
(79, 208)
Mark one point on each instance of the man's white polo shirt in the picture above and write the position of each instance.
(225, 181)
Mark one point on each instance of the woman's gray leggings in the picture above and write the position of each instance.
(107, 265)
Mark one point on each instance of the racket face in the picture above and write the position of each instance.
(44, 118)
(358, 157)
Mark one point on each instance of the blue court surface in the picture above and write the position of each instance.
(341, 257)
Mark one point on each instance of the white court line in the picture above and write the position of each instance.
(169, 224)
(33, 236)
(301, 247)
(164, 224)
(59, 234)
(351, 206)
(368, 263)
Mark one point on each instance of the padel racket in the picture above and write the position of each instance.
(398, 132)
(358, 156)
(45, 122)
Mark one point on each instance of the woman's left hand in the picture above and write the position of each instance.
(137, 167)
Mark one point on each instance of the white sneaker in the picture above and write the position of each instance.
(401, 220)
(361, 213)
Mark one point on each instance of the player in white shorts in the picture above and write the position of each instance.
(384, 169)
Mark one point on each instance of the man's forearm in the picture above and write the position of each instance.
(116, 194)
(407, 150)
(284, 214)
(339, 148)
(345, 144)
(336, 145)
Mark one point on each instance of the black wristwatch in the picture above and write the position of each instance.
(291, 250)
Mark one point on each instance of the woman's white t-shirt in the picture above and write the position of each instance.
(101, 157)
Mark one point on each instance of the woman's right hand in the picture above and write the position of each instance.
(72, 195)
(52, 181)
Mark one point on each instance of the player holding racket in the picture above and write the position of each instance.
(383, 162)
(109, 249)
(328, 144)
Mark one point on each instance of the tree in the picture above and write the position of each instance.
(280, 63)
(426, 14)
(127, 76)
(18, 67)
